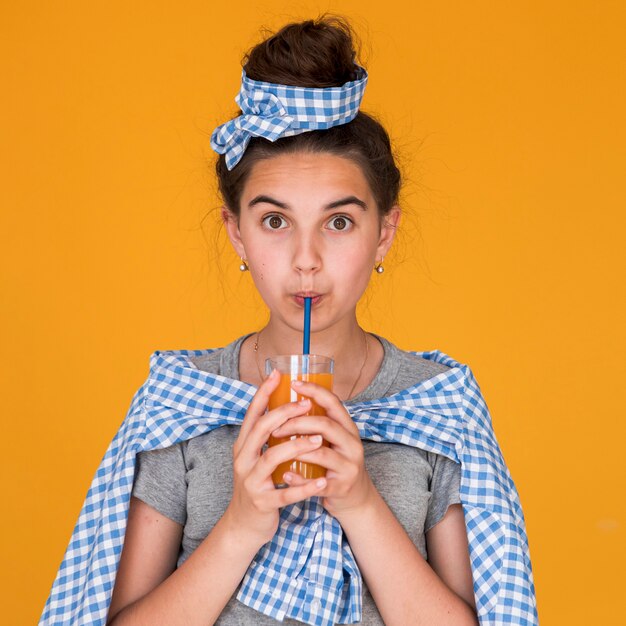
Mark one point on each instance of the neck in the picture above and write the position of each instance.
(342, 342)
(346, 343)
(357, 355)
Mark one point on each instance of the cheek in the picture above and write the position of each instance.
(266, 264)
(353, 267)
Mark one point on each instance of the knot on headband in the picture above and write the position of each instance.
(273, 111)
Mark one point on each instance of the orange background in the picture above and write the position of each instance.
(509, 122)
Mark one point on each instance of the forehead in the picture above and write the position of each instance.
(322, 175)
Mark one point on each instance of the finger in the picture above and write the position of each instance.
(261, 430)
(328, 458)
(283, 497)
(294, 479)
(333, 432)
(327, 400)
(259, 403)
(280, 453)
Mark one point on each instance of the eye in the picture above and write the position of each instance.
(274, 222)
(340, 222)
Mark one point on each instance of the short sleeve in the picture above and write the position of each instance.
(445, 485)
(160, 481)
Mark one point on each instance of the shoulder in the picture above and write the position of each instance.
(221, 361)
(421, 366)
(410, 368)
(209, 362)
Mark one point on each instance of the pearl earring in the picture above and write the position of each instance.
(244, 266)
(379, 266)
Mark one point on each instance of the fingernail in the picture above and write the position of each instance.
(287, 477)
(296, 383)
(304, 402)
(316, 439)
(320, 482)
(273, 373)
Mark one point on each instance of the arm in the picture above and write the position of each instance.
(142, 568)
(148, 588)
(406, 588)
(448, 553)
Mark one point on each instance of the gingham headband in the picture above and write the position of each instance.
(273, 111)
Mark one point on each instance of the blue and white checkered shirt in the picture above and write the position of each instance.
(307, 572)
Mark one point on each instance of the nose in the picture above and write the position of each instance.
(307, 254)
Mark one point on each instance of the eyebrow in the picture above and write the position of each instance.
(262, 199)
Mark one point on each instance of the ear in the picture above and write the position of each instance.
(388, 229)
(231, 223)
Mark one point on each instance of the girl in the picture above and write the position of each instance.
(310, 193)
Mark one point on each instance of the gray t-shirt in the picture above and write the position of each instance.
(191, 482)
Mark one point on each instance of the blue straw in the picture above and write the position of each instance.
(306, 341)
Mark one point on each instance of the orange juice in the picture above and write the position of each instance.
(283, 395)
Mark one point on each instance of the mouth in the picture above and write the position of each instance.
(301, 295)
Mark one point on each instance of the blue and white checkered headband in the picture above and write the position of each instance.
(273, 111)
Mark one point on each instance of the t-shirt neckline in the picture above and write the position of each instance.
(378, 387)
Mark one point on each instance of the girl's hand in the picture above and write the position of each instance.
(349, 485)
(254, 507)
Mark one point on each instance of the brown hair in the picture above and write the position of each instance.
(315, 53)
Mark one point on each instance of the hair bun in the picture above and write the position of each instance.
(314, 53)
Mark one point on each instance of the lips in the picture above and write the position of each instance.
(301, 295)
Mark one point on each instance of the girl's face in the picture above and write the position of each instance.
(309, 226)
